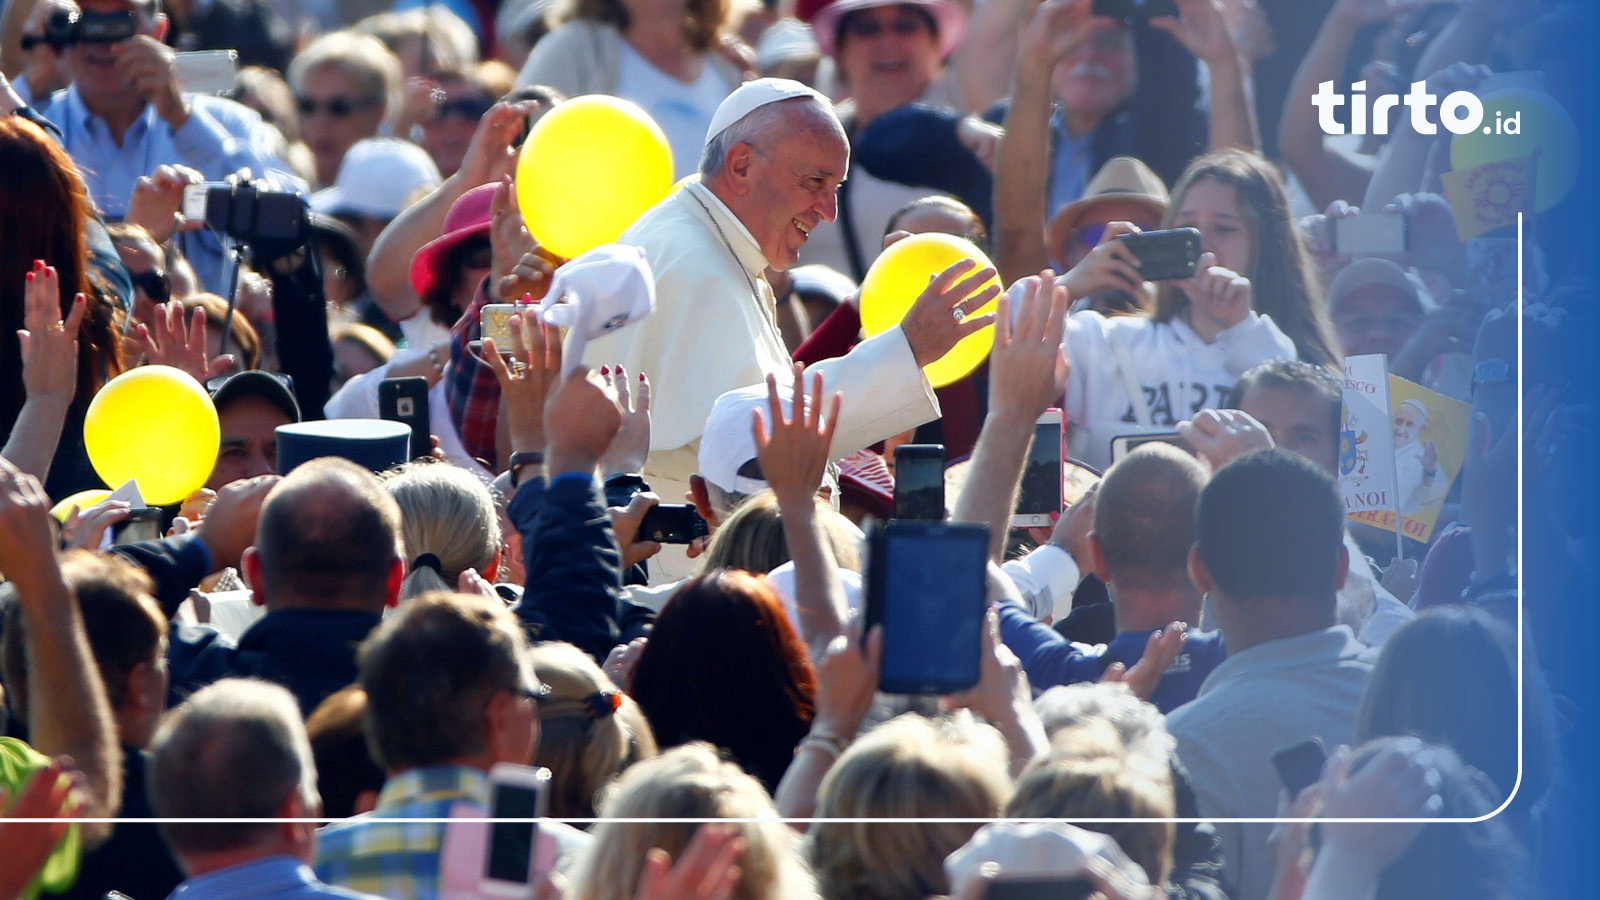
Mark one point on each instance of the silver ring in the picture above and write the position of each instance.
(959, 314)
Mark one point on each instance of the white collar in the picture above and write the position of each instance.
(743, 244)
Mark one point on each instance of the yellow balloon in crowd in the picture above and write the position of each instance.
(588, 168)
(901, 273)
(157, 426)
(82, 500)
(1520, 122)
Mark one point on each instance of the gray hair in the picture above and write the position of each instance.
(1138, 724)
(233, 750)
(363, 56)
(447, 511)
(755, 126)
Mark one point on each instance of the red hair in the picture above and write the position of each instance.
(43, 210)
(724, 665)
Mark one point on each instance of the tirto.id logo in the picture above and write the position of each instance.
(1460, 113)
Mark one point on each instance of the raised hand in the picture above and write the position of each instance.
(1110, 266)
(179, 344)
(527, 378)
(1219, 436)
(708, 869)
(794, 451)
(157, 201)
(1201, 27)
(517, 270)
(1027, 370)
(49, 345)
(631, 447)
(1160, 651)
(944, 312)
(1219, 296)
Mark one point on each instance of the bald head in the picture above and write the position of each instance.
(1144, 516)
(328, 537)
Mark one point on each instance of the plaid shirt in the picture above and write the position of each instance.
(471, 391)
(397, 859)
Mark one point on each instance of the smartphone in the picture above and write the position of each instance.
(1164, 255)
(672, 523)
(1300, 765)
(1134, 9)
(1040, 500)
(1371, 233)
(142, 524)
(405, 400)
(919, 482)
(1058, 887)
(1123, 444)
(926, 587)
(207, 71)
(518, 797)
(494, 322)
(247, 213)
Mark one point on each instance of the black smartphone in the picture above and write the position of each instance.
(919, 482)
(142, 524)
(1300, 765)
(926, 587)
(1060, 887)
(672, 523)
(1134, 9)
(1039, 500)
(405, 400)
(1164, 255)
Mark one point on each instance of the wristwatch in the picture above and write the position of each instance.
(522, 459)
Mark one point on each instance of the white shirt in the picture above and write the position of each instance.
(682, 110)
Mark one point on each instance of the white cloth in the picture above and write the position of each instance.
(709, 335)
(1180, 374)
(682, 110)
(1046, 578)
(1414, 492)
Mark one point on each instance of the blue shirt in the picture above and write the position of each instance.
(219, 138)
(1050, 659)
(1069, 164)
(273, 878)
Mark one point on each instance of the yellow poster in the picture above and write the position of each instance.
(1430, 444)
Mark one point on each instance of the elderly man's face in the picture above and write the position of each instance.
(1099, 74)
(1376, 318)
(795, 179)
(1407, 425)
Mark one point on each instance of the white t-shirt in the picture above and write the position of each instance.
(682, 110)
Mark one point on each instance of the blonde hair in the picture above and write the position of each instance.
(689, 781)
(362, 56)
(1065, 785)
(751, 539)
(449, 513)
(589, 731)
(910, 767)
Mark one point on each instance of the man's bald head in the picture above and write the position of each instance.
(329, 536)
(1144, 516)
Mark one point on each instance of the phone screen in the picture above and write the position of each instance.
(1041, 474)
(919, 482)
(931, 595)
(510, 850)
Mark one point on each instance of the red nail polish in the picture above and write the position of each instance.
(38, 264)
(605, 370)
(30, 278)
(641, 376)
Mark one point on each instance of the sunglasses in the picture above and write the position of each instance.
(468, 108)
(154, 283)
(860, 27)
(213, 384)
(338, 107)
(477, 254)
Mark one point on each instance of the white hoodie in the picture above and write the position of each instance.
(1178, 373)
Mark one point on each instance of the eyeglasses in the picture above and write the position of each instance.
(154, 283)
(338, 107)
(863, 27)
(215, 384)
(468, 108)
(477, 254)
(537, 695)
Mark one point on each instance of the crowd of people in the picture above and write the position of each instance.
(1202, 680)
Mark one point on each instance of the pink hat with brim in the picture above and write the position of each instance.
(468, 217)
(949, 19)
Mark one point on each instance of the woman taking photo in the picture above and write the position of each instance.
(1252, 299)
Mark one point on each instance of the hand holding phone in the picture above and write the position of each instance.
(1371, 233)
(1300, 765)
(405, 400)
(926, 585)
(672, 523)
(1039, 502)
(1164, 255)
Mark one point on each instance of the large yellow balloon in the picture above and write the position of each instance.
(157, 426)
(587, 170)
(82, 500)
(901, 273)
(1543, 126)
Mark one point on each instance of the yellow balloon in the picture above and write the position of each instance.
(82, 500)
(1542, 126)
(157, 426)
(587, 170)
(901, 273)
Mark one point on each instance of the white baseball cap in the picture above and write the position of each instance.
(596, 293)
(379, 177)
(1035, 851)
(752, 95)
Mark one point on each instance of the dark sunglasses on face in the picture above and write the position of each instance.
(154, 283)
(469, 108)
(861, 27)
(213, 384)
(338, 107)
(477, 254)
